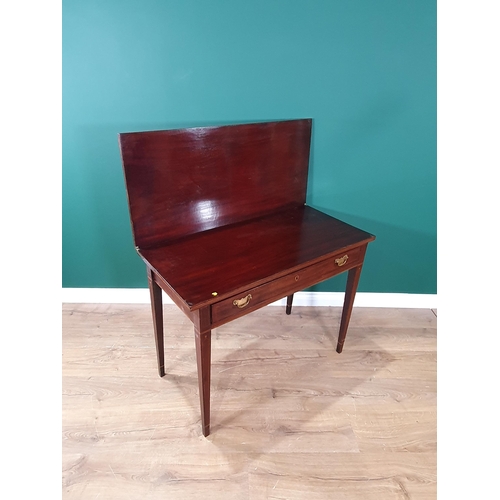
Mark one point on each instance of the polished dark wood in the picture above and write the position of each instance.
(181, 182)
(219, 218)
(351, 287)
(203, 340)
(157, 310)
(231, 258)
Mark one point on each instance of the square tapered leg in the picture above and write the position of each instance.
(350, 293)
(203, 341)
(157, 310)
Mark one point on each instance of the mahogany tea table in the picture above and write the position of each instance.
(219, 217)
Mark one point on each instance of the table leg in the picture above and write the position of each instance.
(352, 285)
(203, 340)
(157, 310)
(289, 301)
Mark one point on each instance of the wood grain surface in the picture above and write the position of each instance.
(237, 257)
(181, 182)
(291, 418)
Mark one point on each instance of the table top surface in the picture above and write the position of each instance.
(182, 182)
(236, 257)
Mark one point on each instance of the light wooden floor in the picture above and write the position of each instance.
(291, 418)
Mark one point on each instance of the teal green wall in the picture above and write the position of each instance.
(364, 70)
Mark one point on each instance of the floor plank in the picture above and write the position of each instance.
(291, 418)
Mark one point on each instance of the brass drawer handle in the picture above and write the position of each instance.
(342, 260)
(241, 303)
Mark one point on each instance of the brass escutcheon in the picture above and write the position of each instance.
(241, 303)
(342, 260)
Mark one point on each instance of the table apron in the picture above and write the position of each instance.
(254, 298)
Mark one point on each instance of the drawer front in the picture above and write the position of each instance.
(259, 296)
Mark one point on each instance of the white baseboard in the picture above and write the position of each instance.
(336, 299)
